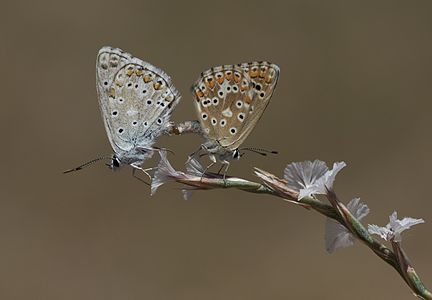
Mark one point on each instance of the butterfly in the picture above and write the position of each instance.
(136, 100)
(230, 100)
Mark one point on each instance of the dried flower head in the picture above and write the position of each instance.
(338, 236)
(311, 178)
(393, 230)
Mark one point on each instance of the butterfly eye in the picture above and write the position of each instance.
(115, 163)
(134, 123)
(149, 102)
(228, 89)
(239, 104)
(121, 100)
(204, 116)
(159, 121)
(215, 101)
(261, 95)
(120, 130)
(221, 93)
(222, 123)
(114, 113)
(233, 130)
(202, 87)
(214, 121)
(236, 154)
(145, 124)
(235, 88)
(258, 87)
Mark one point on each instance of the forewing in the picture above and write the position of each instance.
(229, 101)
(135, 97)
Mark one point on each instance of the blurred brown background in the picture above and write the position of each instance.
(355, 85)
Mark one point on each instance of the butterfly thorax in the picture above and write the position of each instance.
(219, 152)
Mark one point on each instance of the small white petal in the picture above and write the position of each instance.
(358, 209)
(336, 235)
(164, 173)
(394, 228)
(383, 232)
(398, 226)
(301, 175)
(320, 186)
(187, 194)
(329, 176)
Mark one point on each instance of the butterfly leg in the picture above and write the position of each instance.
(213, 161)
(138, 178)
(137, 167)
(227, 165)
(191, 156)
(220, 170)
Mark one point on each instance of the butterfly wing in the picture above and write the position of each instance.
(231, 99)
(264, 77)
(136, 99)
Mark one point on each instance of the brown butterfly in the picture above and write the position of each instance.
(230, 100)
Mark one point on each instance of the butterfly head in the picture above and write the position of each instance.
(134, 157)
(115, 163)
(236, 154)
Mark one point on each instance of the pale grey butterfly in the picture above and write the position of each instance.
(136, 100)
(230, 100)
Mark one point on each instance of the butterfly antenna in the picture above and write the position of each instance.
(87, 164)
(260, 151)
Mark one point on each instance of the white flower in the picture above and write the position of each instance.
(336, 235)
(310, 178)
(392, 231)
(164, 173)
